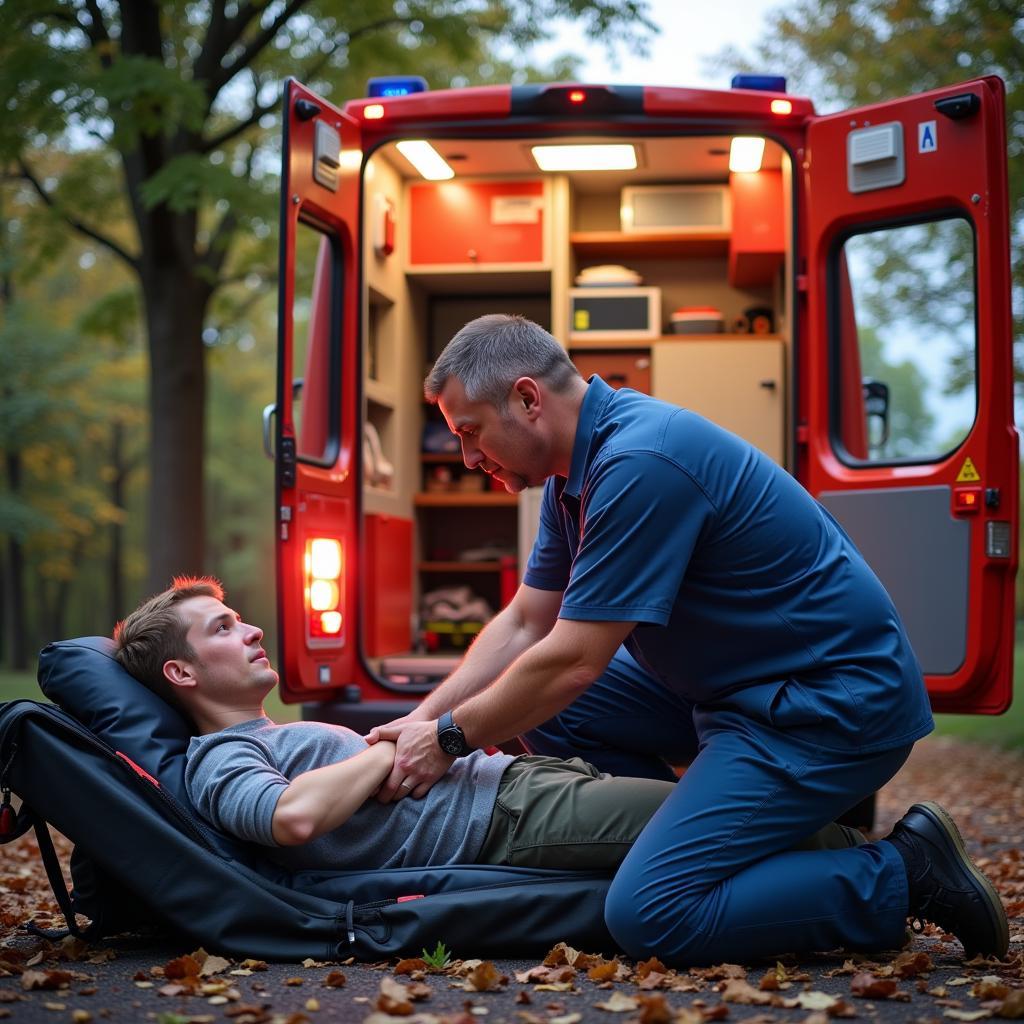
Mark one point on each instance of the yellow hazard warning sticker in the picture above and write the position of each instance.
(581, 320)
(967, 474)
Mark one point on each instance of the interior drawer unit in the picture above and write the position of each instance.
(618, 369)
(462, 224)
(740, 385)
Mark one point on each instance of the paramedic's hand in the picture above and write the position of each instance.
(419, 761)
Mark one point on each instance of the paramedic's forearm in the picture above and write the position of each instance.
(322, 799)
(543, 681)
(501, 642)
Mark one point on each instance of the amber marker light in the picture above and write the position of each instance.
(373, 112)
(782, 107)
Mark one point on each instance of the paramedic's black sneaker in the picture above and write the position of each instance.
(945, 887)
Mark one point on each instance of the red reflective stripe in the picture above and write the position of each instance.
(405, 899)
(135, 768)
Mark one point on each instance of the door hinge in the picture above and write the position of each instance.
(286, 461)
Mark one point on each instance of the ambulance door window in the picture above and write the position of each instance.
(904, 342)
(315, 325)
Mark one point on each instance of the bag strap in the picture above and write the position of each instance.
(57, 884)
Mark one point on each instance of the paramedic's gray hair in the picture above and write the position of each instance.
(492, 352)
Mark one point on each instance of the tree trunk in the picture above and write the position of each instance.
(14, 595)
(115, 558)
(175, 308)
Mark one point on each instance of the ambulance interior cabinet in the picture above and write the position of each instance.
(387, 599)
(758, 241)
(459, 225)
(740, 385)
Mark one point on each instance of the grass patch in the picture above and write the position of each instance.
(1006, 730)
(14, 685)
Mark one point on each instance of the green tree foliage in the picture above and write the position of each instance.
(163, 116)
(847, 53)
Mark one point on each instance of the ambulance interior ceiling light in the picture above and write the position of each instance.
(745, 154)
(422, 155)
(605, 157)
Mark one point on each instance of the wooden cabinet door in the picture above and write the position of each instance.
(739, 385)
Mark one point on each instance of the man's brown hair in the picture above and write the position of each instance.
(156, 632)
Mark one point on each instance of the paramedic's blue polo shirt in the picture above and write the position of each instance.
(747, 594)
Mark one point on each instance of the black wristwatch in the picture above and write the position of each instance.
(450, 737)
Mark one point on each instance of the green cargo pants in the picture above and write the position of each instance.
(552, 813)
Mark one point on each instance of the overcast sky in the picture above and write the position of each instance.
(689, 32)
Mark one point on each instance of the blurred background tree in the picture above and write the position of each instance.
(138, 208)
(849, 53)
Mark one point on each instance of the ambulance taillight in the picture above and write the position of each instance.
(324, 568)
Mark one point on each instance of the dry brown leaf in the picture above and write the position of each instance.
(560, 954)
(45, 981)
(652, 966)
(336, 979)
(815, 1001)
(910, 965)
(867, 986)
(619, 1002)
(410, 964)
(718, 972)
(717, 1012)
(213, 965)
(182, 967)
(393, 998)
(655, 980)
(606, 970)
(967, 1015)
(654, 1009)
(485, 978)
(990, 987)
(737, 990)
(1013, 1005)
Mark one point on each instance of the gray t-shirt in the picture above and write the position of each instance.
(236, 776)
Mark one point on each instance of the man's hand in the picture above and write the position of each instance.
(376, 734)
(419, 761)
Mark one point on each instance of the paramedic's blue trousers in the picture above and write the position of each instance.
(711, 878)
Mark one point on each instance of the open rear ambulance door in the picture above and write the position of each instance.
(907, 432)
(317, 422)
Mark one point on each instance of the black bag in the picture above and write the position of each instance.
(111, 779)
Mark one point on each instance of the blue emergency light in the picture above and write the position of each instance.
(390, 86)
(766, 83)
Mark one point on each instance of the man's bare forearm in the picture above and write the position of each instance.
(322, 799)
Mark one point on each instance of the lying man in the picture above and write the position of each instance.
(302, 789)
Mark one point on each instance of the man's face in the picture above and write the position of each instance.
(230, 660)
(508, 446)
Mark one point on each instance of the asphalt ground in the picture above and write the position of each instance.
(153, 978)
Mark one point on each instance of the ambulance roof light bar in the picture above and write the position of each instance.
(391, 86)
(764, 83)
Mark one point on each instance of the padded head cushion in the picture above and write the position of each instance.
(82, 678)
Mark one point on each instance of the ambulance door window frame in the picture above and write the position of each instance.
(837, 385)
(332, 439)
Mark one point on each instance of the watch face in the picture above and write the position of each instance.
(450, 743)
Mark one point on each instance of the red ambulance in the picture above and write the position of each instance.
(835, 288)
